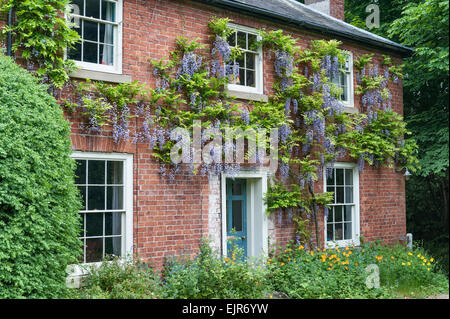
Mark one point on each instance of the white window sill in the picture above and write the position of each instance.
(100, 76)
(248, 95)
(350, 109)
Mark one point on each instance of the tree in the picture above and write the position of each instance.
(39, 202)
(422, 25)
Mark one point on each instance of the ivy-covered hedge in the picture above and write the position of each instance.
(39, 223)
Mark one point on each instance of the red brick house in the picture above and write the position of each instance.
(142, 212)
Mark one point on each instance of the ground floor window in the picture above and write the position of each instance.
(105, 183)
(342, 218)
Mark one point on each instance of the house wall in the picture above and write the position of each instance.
(171, 217)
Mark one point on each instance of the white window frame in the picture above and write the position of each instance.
(350, 87)
(258, 89)
(118, 26)
(356, 231)
(127, 220)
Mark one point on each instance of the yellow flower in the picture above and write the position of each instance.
(431, 259)
(346, 248)
(424, 260)
(428, 269)
(392, 257)
(301, 247)
(428, 264)
(403, 264)
(346, 267)
(270, 296)
(409, 263)
(329, 268)
(282, 264)
(410, 253)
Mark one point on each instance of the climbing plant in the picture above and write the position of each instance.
(41, 34)
(314, 131)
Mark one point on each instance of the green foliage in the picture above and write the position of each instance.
(340, 273)
(209, 276)
(39, 221)
(118, 278)
(41, 34)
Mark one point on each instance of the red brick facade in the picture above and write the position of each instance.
(171, 217)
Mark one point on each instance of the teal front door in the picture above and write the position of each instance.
(237, 214)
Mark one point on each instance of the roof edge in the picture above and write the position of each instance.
(403, 51)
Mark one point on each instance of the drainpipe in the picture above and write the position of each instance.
(9, 41)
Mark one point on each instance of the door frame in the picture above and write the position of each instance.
(257, 221)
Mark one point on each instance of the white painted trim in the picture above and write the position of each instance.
(254, 234)
(356, 223)
(259, 75)
(350, 89)
(127, 226)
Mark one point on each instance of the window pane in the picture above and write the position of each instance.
(250, 60)
(347, 230)
(252, 42)
(106, 33)
(338, 213)
(349, 177)
(250, 78)
(237, 215)
(106, 54)
(115, 197)
(349, 194)
(242, 40)
(80, 172)
(339, 176)
(339, 195)
(93, 8)
(113, 224)
(96, 197)
(75, 53)
(338, 232)
(90, 31)
(108, 11)
(330, 218)
(90, 51)
(113, 246)
(232, 39)
(348, 213)
(330, 178)
(241, 76)
(344, 84)
(115, 172)
(94, 224)
(236, 189)
(96, 172)
(330, 232)
(94, 249)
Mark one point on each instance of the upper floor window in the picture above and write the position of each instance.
(99, 26)
(250, 62)
(345, 81)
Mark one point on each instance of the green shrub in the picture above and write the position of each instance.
(39, 223)
(209, 275)
(341, 273)
(117, 279)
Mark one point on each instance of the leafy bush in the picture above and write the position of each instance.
(39, 222)
(116, 279)
(209, 276)
(341, 273)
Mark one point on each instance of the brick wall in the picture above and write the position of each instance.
(171, 217)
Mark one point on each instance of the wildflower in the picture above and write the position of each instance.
(403, 264)
(428, 269)
(392, 257)
(431, 259)
(410, 253)
(282, 264)
(346, 267)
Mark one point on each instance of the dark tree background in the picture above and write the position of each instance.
(422, 25)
